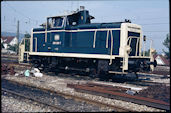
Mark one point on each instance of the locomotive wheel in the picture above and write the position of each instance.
(103, 76)
(57, 71)
(136, 76)
(118, 78)
(45, 70)
(36, 64)
(93, 73)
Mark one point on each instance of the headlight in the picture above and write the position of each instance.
(128, 49)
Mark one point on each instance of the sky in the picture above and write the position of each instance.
(152, 15)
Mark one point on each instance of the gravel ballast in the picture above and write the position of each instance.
(11, 104)
(59, 84)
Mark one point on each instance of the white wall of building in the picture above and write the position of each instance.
(13, 42)
(5, 46)
(159, 60)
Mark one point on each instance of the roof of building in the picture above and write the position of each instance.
(163, 58)
(7, 39)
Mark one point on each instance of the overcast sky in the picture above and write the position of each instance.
(152, 15)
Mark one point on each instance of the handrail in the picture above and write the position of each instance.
(130, 37)
(36, 44)
(144, 48)
(46, 31)
(137, 45)
(94, 39)
(111, 49)
(107, 38)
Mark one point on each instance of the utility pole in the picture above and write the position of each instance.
(17, 37)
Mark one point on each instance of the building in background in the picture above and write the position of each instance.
(162, 60)
(8, 40)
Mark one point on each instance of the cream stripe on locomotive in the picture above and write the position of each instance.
(79, 30)
(80, 55)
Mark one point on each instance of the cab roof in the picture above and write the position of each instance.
(70, 14)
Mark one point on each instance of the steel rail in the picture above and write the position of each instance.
(6, 56)
(78, 98)
(16, 64)
(122, 96)
(33, 99)
(144, 83)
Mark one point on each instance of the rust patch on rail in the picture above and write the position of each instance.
(114, 93)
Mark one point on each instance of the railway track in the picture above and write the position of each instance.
(9, 59)
(16, 64)
(33, 99)
(8, 56)
(138, 82)
(74, 97)
(143, 83)
(111, 92)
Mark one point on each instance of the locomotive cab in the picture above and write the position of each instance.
(74, 19)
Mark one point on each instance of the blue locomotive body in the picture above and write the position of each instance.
(72, 42)
(78, 39)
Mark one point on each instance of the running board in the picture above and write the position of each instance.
(116, 72)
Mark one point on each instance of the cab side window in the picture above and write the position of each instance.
(73, 20)
(57, 22)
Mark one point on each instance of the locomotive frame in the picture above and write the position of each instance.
(61, 47)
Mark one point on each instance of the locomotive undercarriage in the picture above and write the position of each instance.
(93, 67)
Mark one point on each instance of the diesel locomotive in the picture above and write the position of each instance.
(72, 42)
